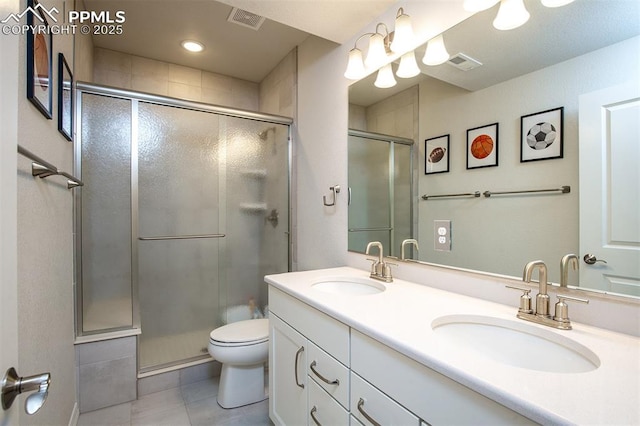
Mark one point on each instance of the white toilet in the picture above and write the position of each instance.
(243, 348)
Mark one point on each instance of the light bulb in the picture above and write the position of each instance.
(408, 67)
(355, 66)
(385, 78)
(511, 14)
(436, 52)
(192, 46)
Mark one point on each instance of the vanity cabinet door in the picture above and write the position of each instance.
(323, 409)
(288, 383)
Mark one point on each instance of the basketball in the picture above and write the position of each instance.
(481, 146)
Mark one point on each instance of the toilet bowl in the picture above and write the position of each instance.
(243, 348)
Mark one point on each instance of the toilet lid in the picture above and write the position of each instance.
(242, 331)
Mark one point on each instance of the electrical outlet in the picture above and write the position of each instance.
(442, 235)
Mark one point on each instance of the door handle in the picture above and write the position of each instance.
(590, 259)
(13, 385)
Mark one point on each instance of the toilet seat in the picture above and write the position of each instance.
(241, 333)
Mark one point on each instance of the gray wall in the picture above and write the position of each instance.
(45, 250)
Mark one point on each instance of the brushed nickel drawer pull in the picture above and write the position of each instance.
(295, 373)
(327, 381)
(364, 413)
(313, 416)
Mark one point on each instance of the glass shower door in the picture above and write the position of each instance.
(179, 230)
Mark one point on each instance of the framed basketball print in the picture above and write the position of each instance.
(436, 155)
(541, 135)
(482, 146)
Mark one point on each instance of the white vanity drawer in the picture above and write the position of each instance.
(366, 400)
(326, 332)
(432, 396)
(323, 409)
(323, 368)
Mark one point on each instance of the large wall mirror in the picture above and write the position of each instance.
(558, 68)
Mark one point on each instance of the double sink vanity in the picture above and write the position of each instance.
(349, 349)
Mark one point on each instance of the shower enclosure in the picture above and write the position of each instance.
(185, 208)
(381, 190)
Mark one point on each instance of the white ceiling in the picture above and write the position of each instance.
(155, 28)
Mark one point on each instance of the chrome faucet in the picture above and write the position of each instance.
(379, 269)
(567, 259)
(404, 243)
(542, 299)
(541, 314)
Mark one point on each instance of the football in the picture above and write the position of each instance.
(541, 135)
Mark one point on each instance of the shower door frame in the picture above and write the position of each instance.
(391, 140)
(136, 98)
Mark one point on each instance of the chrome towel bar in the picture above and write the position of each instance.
(181, 237)
(43, 169)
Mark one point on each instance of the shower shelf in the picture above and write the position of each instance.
(253, 207)
(255, 174)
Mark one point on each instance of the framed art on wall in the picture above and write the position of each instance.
(542, 135)
(39, 60)
(65, 98)
(482, 146)
(436, 155)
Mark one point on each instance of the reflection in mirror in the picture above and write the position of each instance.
(560, 55)
(380, 190)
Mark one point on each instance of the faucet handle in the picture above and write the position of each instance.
(374, 265)
(525, 299)
(386, 271)
(562, 310)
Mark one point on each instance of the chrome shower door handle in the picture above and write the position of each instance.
(13, 385)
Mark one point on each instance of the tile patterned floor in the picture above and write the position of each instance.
(190, 405)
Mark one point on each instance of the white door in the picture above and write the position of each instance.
(609, 138)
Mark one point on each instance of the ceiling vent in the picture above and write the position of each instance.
(463, 62)
(246, 19)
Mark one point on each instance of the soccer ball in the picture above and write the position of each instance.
(541, 135)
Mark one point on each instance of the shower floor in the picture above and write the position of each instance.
(159, 351)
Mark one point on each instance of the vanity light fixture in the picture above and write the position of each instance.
(511, 14)
(192, 46)
(381, 44)
(436, 52)
(408, 67)
(378, 48)
(403, 33)
(385, 78)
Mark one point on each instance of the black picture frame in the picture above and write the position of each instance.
(65, 98)
(436, 155)
(39, 60)
(482, 146)
(542, 135)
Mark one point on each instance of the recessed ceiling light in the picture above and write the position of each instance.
(192, 46)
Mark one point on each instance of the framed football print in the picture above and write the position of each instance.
(436, 155)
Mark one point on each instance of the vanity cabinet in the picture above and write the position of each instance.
(323, 372)
(308, 364)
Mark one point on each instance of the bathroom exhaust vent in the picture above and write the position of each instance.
(246, 19)
(463, 62)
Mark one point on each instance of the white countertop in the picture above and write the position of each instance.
(401, 317)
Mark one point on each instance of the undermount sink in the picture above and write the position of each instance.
(349, 286)
(516, 343)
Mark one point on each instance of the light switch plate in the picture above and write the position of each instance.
(442, 235)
